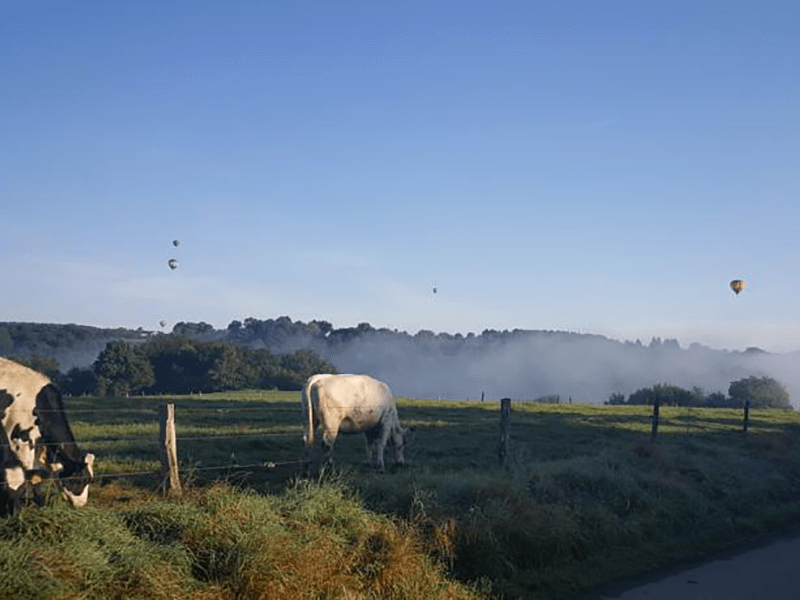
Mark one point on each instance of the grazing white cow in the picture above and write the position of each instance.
(36, 441)
(353, 404)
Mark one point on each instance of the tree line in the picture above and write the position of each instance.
(762, 392)
(181, 365)
(283, 334)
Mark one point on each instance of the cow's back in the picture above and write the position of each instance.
(344, 404)
(359, 401)
(19, 387)
(36, 433)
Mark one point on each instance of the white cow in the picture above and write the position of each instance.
(352, 404)
(36, 441)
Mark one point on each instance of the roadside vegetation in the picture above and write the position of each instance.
(584, 498)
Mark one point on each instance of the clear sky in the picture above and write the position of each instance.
(604, 167)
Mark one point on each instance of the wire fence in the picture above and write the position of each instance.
(154, 416)
(251, 413)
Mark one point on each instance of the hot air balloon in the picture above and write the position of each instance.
(175, 243)
(163, 323)
(737, 285)
(173, 263)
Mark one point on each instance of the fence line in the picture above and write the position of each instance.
(505, 416)
(179, 438)
(268, 464)
(155, 409)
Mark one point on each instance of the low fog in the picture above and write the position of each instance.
(519, 364)
(585, 368)
(527, 365)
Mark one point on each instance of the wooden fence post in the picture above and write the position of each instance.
(746, 415)
(654, 430)
(170, 481)
(505, 418)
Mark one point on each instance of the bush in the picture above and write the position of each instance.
(763, 392)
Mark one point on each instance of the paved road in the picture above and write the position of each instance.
(768, 573)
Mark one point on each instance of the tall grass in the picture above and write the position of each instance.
(555, 528)
(313, 541)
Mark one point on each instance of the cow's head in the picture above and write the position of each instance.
(74, 479)
(398, 441)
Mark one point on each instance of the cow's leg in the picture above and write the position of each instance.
(326, 443)
(13, 490)
(380, 446)
(373, 437)
(397, 441)
(10, 500)
(330, 420)
(6, 503)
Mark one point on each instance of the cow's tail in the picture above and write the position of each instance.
(308, 410)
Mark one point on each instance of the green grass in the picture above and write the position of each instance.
(218, 543)
(584, 497)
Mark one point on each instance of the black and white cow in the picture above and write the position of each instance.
(353, 404)
(36, 441)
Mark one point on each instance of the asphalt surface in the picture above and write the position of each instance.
(771, 572)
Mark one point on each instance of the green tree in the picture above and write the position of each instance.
(718, 400)
(120, 370)
(228, 371)
(78, 381)
(181, 365)
(616, 398)
(42, 364)
(6, 342)
(763, 392)
(299, 366)
(667, 395)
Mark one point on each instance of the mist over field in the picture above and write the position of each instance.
(520, 364)
(584, 367)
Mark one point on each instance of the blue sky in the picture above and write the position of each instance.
(605, 167)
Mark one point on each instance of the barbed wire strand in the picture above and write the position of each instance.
(184, 409)
(90, 441)
(268, 464)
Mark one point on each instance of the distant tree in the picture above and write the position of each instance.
(200, 329)
(425, 336)
(616, 399)
(228, 370)
(6, 342)
(667, 395)
(754, 350)
(180, 364)
(301, 365)
(78, 381)
(763, 392)
(263, 368)
(234, 330)
(43, 364)
(323, 328)
(717, 400)
(120, 370)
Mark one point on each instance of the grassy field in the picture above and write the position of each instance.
(584, 498)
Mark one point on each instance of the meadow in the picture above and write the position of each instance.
(583, 499)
